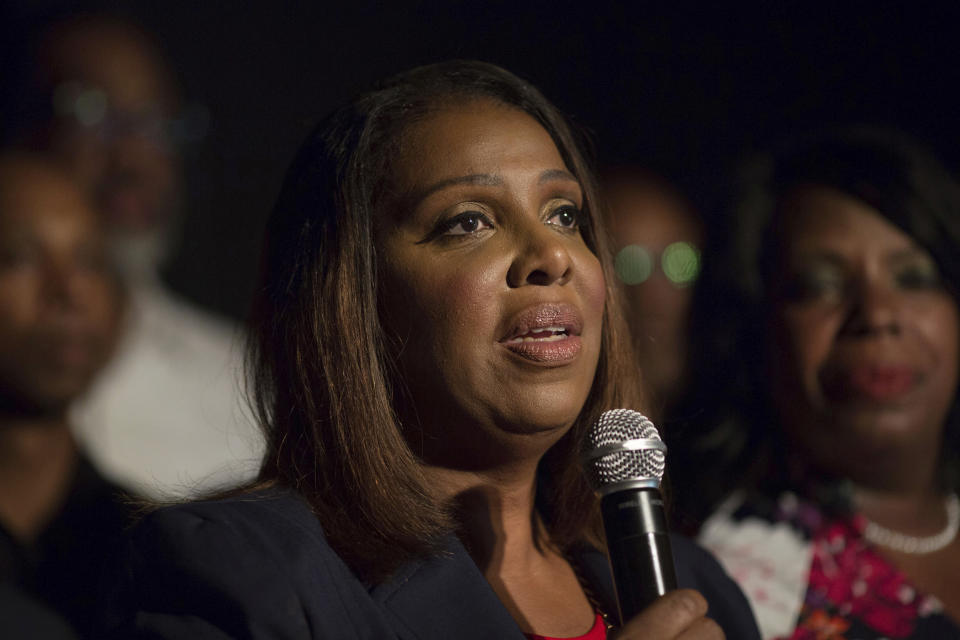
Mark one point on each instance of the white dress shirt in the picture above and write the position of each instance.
(167, 417)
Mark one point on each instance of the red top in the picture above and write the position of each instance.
(597, 632)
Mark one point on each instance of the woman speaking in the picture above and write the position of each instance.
(434, 332)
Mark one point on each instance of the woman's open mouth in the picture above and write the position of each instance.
(548, 333)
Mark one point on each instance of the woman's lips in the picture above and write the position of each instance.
(545, 333)
(875, 382)
(557, 351)
(68, 352)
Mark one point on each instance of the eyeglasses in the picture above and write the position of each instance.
(90, 108)
(679, 261)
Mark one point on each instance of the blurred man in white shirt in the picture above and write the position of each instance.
(167, 417)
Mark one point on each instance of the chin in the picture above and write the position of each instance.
(544, 415)
(870, 432)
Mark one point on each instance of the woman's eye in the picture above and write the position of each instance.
(465, 223)
(12, 257)
(567, 217)
(811, 286)
(919, 277)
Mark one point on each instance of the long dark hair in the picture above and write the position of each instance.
(321, 372)
(884, 169)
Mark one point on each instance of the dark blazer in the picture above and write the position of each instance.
(258, 567)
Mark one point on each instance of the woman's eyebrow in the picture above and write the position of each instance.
(906, 253)
(557, 174)
(819, 255)
(488, 180)
(481, 179)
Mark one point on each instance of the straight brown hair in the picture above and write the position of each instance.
(320, 371)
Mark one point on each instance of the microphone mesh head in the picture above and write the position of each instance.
(636, 464)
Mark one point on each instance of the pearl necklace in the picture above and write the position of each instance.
(917, 545)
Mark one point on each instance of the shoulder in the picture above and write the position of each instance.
(237, 567)
(698, 569)
(765, 545)
(264, 518)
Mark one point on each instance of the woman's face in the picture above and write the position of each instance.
(486, 284)
(59, 306)
(865, 333)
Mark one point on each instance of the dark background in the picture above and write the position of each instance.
(685, 89)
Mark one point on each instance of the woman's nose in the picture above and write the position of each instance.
(63, 286)
(542, 258)
(875, 309)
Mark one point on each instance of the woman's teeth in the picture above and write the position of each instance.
(547, 334)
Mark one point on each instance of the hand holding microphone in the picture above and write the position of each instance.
(624, 459)
(677, 615)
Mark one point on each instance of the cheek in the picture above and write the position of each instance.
(591, 291)
(158, 166)
(18, 301)
(442, 310)
(593, 287)
(804, 338)
(18, 314)
(940, 328)
(464, 310)
(103, 309)
(469, 292)
(85, 157)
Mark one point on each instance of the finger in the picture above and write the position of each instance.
(668, 617)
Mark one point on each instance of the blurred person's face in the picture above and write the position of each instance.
(488, 286)
(112, 132)
(657, 242)
(865, 334)
(58, 302)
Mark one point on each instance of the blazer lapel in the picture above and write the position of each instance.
(594, 568)
(443, 597)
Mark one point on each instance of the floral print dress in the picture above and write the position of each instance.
(813, 576)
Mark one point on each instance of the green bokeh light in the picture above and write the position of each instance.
(90, 107)
(680, 263)
(633, 264)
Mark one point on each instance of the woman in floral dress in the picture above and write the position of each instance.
(834, 379)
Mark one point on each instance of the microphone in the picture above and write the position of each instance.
(624, 459)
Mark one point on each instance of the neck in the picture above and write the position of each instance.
(37, 460)
(893, 486)
(899, 472)
(915, 510)
(501, 529)
(495, 509)
(891, 469)
(903, 496)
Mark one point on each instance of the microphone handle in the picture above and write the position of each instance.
(639, 545)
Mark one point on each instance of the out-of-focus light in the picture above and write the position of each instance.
(65, 98)
(680, 263)
(90, 107)
(633, 264)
